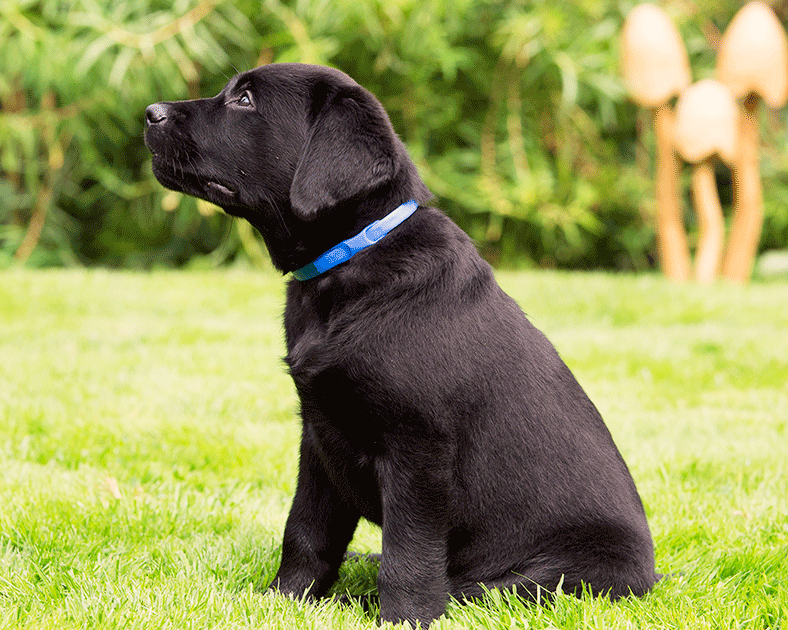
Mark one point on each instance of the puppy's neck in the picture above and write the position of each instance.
(349, 247)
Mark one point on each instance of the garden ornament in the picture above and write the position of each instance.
(655, 68)
(753, 62)
(706, 125)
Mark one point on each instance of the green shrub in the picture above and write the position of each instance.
(513, 111)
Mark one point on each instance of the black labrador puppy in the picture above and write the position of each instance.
(430, 405)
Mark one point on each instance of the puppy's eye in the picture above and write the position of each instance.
(245, 100)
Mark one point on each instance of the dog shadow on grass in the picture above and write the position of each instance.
(357, 584)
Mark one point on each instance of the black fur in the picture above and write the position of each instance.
(430, 404)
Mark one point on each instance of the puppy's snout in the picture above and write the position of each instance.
(155, 114)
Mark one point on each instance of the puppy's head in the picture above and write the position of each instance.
(281, 146)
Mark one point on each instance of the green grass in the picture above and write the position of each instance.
(148, 437)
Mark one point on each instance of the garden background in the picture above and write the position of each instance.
(514, 112)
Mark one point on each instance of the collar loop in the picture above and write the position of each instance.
(349, 247)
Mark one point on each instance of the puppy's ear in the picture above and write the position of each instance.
(350, 150)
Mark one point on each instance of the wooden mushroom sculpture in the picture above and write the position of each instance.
(655, 68)
(706, 125)
(753, 62)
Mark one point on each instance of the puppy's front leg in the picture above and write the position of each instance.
(318, 530)
(412, 580)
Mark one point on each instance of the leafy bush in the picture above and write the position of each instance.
(513, 111)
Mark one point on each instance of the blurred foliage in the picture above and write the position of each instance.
(513, 111)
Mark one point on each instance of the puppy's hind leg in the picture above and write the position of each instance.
(627, 570)
(533, 587)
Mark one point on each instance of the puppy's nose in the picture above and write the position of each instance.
(156, 114)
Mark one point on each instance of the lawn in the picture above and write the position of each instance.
(148, 448)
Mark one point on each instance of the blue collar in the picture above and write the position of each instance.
(348, 248)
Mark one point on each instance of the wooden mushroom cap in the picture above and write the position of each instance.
(753, 55)
(653, 59)
(706, 122)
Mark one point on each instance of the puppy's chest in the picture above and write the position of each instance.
(340, 393)
(344, 392)
(327, 353)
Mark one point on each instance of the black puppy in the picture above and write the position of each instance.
(430, 404)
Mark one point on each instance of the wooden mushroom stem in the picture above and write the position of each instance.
(711, 226)
(655, 67)
(752, 61)
(706, 122)
(747, 220)
(671, 236)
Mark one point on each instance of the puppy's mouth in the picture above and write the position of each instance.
(176, 178)
(220, 188)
